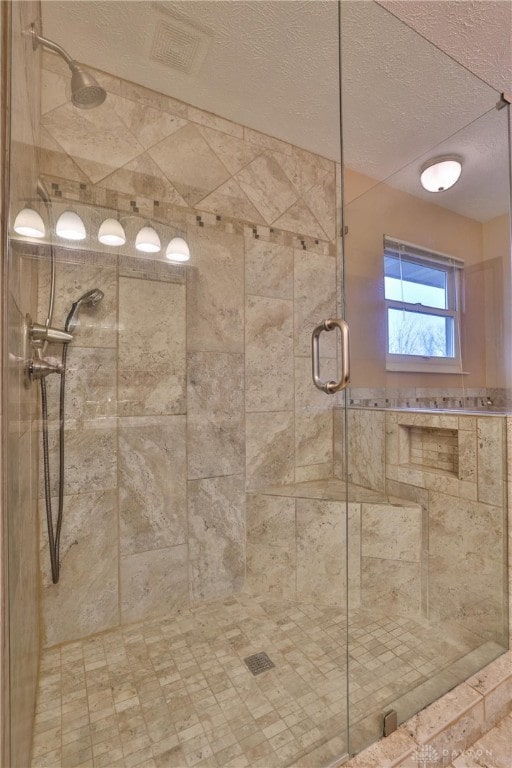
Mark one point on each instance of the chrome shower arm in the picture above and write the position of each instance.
(38, 39)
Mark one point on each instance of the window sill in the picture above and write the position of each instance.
(426, 367)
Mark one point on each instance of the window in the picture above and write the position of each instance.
(421, 291)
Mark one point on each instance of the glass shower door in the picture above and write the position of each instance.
(426, 277)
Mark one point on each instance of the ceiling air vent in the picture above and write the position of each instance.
(179, 45)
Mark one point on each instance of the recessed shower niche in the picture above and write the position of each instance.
(431, 448)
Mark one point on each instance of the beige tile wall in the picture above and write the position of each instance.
(186, 385)
(294, 544)
(463, 558)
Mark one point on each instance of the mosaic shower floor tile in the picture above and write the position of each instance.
(177, 692)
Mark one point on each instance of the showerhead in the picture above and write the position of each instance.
(90, 299)
(86, 92)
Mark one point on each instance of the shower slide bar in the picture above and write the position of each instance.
(330, 387)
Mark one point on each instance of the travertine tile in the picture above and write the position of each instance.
(151, 339)
(189, 164)
(215, 435)
(396, 582)
(367, 448)
(490, 460)
(86, 598)
(230, 200)
(464, 583)
(304, 169)
(315, 300)
(215, 292)
(231, 150)
(267, 186)
(153, 583)
(313, 437)
(268, 269)
(149, 125)
(97, 139)
(55, 90)
(271, 569)
(313, 472)
(142, 177)
(97, 326)
(495, 684)
(271, 520)
(91, 456)
(430, 722)
(492, 750)
(270, 448)
(152, 482)
(268, 354)
(267, 142)
(320, 539)
(178, 686)
(91, 374)
(216, 517)
(298, 218)
(154, 99)
(467, 444)
(391, 532)
(321, 201)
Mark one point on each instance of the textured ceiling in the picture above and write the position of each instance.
(477, 34)
(273, 65)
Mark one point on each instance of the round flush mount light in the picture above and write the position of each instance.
(111, 233)
(440, 173)
(147, 240)
(70, 226)
(29, 223)
(178, 250)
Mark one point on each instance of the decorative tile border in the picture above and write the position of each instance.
(486, 400)
(64, 190)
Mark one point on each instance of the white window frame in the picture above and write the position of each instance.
(454, 273)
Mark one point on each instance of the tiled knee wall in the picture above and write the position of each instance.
(463, 574)
(294, 546)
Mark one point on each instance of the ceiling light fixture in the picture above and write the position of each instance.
(29, 223)
(440, 174)
(147, 240)
(70, 226)
(111, 232)
(178, 250)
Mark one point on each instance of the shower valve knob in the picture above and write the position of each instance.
(39, 368)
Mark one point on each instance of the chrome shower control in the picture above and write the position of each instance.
(42, 333)
(39, 368)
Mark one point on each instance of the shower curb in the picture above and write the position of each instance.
(442, 731)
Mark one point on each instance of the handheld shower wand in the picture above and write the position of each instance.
(89, 299)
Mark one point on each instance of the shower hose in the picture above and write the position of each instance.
(54, 532)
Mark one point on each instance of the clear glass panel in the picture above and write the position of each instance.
(187, 387)
(428, 596)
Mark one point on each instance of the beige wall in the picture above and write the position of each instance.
(376, 210)
(496, 266)
(21, 439)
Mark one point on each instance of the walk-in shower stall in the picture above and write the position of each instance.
(257, 380)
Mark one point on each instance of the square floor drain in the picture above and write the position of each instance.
(258, 663)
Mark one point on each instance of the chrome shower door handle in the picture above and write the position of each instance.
(330, 387)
